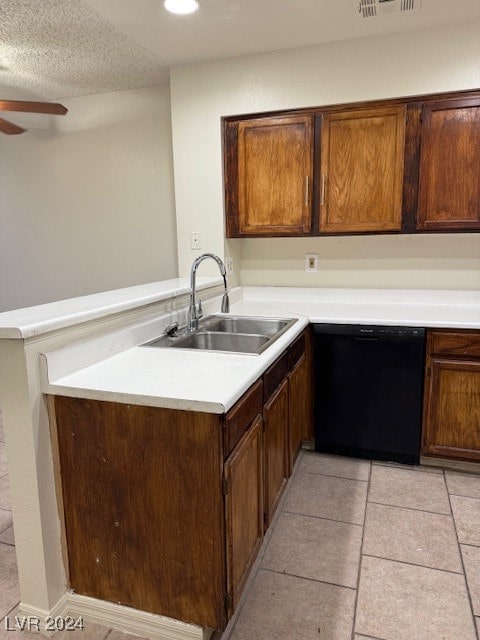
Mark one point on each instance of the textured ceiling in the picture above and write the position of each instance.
(55, 49)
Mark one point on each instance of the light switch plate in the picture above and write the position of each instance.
(311, 262)
(229, 265)
(195, 240)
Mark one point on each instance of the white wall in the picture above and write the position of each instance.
(378, 67)
(88, 205)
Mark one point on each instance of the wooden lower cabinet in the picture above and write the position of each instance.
(144, 509)
(452, 396)
(276, 417)
(300, 409)
(165, 510)
(243, 509)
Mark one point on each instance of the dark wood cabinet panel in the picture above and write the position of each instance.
(405, 165)
(275, 415)
(455, 343)
(299, 409)
(452, 395)
(453, 409)
(242, 414)
(143, 505)
(449, 188)
(268, 177)
(274, 375)
(361, 170)
(243, 509)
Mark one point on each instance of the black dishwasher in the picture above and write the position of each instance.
(369, 391)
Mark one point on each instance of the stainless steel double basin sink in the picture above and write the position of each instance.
(229, 334)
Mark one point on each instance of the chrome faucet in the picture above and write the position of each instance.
(195, 314)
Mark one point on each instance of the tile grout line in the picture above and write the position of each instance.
(357, 591)
(460, 495)
(412, 564)
(475, 628)
(405, 467)
(388, 504)
(326, 475)
(308, 515)
(10, 611)
(469, 544)
(7, 544)
(396, 506)
(295, 575)
(329, 475)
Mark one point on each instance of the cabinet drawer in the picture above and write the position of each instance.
(296, 351)
(274, 375)
(455, 343)
(241, 416)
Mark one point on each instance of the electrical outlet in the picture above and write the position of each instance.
(229, 265)
(311, 262)
(195, 240)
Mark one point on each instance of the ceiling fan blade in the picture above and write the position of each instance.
(52, 108)
(10, 128)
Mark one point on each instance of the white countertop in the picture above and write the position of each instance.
(213, 382)
(33, 321)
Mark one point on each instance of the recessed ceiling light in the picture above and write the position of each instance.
(181, 6)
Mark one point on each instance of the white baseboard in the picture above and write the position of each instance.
(116, 616)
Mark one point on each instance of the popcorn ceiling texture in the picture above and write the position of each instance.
(52, 49)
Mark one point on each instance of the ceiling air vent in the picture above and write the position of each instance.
(372, 8)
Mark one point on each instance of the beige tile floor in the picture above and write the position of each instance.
(367, 551)
(357, 551)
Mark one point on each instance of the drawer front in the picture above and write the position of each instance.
(455, 343)
(296, 351)
(274, 375)
(241, 416)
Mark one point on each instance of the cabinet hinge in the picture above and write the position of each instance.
(429, 371)
(225, 486)
(228, 602)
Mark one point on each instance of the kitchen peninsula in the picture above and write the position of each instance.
(89, 350)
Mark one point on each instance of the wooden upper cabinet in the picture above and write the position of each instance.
(361, 170)
(269, 176)
(449, 188)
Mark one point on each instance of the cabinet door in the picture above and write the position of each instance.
(275, 160)
(449, 189)
(361, 178)
(275, 415)
(298, 382)
(143, 507)
(243, 509)
(452, 409)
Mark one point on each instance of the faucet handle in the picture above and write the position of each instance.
(200, 310)
(171, 330)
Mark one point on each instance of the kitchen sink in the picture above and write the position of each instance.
(239, 324)
(228, 334)
(211, 341)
